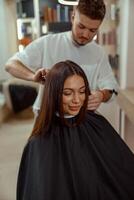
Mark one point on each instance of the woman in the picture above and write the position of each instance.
(73, 154)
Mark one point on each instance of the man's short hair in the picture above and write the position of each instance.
(94, 9)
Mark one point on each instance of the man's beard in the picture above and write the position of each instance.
(76, 43)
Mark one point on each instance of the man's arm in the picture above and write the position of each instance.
(19, 70)
(105, 80)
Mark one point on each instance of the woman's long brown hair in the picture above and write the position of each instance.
(52, 96)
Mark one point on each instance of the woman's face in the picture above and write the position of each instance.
(73, 94)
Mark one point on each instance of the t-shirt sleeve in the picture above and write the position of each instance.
(106, 78)
(31, 56)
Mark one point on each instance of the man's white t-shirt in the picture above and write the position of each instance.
(50, 49)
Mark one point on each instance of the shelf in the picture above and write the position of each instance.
(56, 27)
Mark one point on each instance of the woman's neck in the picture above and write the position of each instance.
(65, 115)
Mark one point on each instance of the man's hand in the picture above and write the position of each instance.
(40, 75)
(94, 100)
(97, 97)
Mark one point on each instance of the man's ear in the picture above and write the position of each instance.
(73, 14)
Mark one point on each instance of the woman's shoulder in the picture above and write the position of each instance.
(96, 117)
(33, 142)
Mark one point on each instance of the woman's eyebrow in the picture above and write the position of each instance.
(83, 87)
(72, 88)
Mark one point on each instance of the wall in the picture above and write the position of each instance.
(126, 44)
(126, 62)
(8, 41)
(130, 62)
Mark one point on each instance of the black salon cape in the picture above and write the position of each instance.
(87, 162)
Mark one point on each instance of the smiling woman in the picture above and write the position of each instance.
(66, 92)
(73, 153)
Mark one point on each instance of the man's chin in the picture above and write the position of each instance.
(82, 43)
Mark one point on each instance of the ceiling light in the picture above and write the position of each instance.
(66, 2)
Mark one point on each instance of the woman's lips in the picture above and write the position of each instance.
(74, 108)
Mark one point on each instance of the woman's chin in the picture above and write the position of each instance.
(73, 112)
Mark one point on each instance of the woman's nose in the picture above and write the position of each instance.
(76, 98)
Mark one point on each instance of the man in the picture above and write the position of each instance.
(77, 45)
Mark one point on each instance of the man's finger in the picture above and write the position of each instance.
(91, 97)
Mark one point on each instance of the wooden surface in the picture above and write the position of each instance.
(125, 100)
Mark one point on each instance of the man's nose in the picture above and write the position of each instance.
(86, 34)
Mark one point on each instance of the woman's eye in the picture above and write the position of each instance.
(82, 92)
(66, 93)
